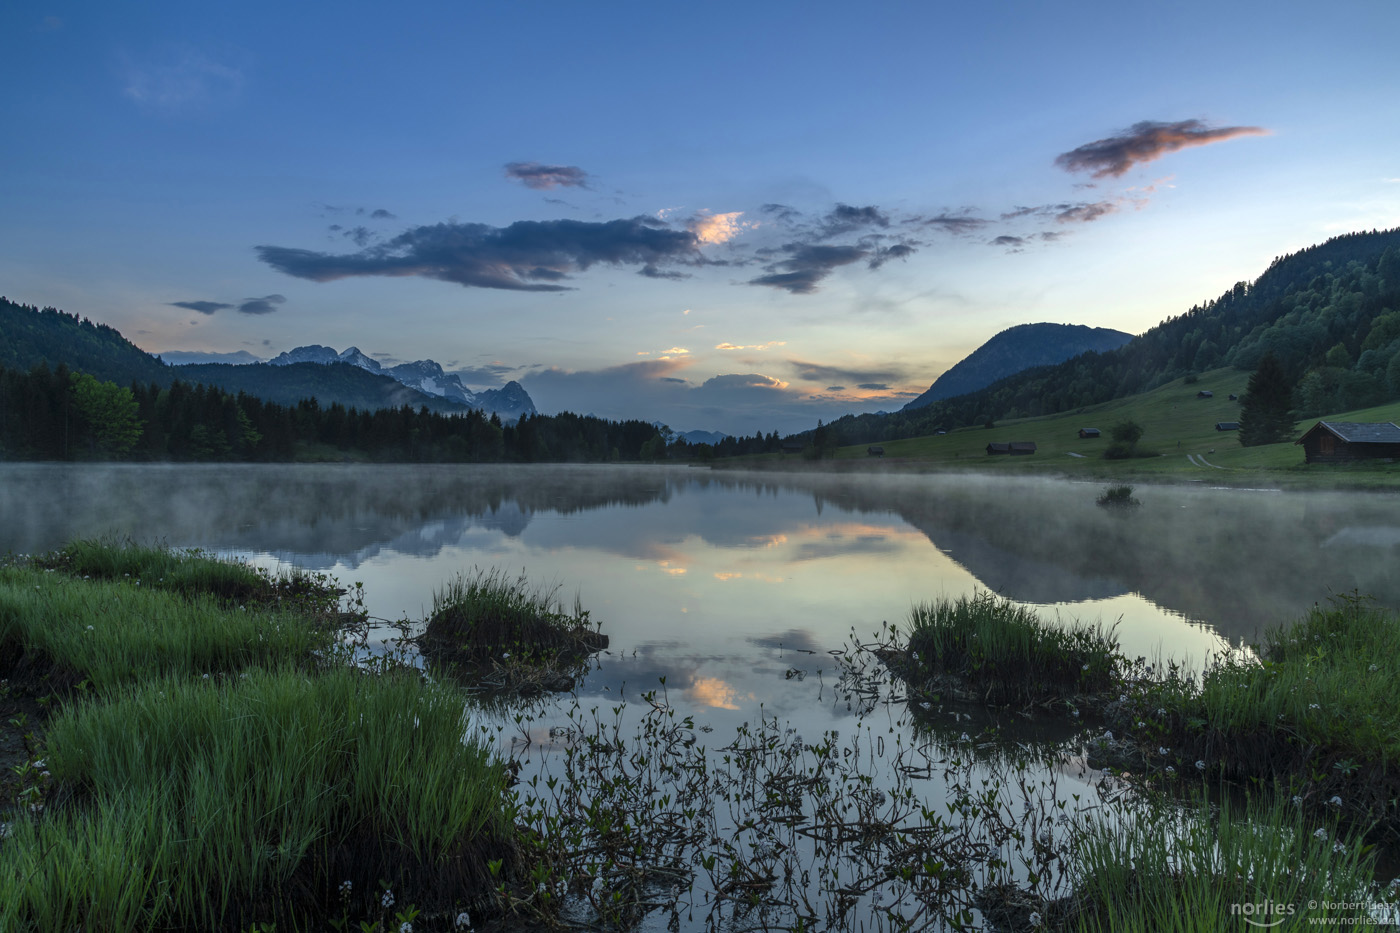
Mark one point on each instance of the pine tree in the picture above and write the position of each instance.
(1266, 415)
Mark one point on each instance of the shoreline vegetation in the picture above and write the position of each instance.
(193, 744)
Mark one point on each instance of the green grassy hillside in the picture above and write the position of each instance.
(1177, 424)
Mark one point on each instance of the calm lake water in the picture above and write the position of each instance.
(735, 587)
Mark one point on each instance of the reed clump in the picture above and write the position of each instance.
(985, 648)
(490, 620)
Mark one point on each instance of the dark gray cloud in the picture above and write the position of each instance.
(525, 256)
(542, 177)
(1065, 212)
(652, 272)
(781, 213)
(874, 386)
(807, 265)
(819, 372)
(1010, 242)
(361, 236)
(957, 224)
(265, 305)
(845, 219)
(1144, 142)
(203, 307)
(883, 254)
(381, 214)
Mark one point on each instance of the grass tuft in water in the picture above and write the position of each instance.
(1118, 497)
(488, 619)
(987, 648)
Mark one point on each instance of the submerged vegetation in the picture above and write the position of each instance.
(1118, 497)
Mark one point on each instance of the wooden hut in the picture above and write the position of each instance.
(1205, 393)
(875, 451)
(1014, 448)
(1342, 441)
(1227, 425)
(1088, 432)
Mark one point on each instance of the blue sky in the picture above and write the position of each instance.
(732, 216)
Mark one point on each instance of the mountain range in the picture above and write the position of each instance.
(427, 376)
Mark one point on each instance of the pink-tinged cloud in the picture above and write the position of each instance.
(1143, 142)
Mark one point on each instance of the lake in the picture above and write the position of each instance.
(740, 592)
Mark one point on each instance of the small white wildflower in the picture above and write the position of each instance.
(345, 888)
(1338, 847)
(1297, 800)
(406, 927)
(38, 762)
(1034, 919)
(5, 831)
(1335, 802)
(387, 900)
(463, 921)
(506, 655)
(206, 676)
(1200, 765)
(1162, 750)
(90, 628)
(1084, 668)
(1314, 706)
(1320, 834)
(1074, 713)
(1373, 668)
(966, 737)
(1141, 724)
(1171, 770)
(1108, 736)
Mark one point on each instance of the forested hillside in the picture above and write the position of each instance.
(1330, 313)
(58, 414)
(29, 336)
(1016, 349)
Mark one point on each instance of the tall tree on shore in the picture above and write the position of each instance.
(1266, 411)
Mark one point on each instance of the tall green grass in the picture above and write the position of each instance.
(108, 632)
(252, 800)
(190, 572)
(1003, 653)
(1317, 707)
(489, 616)
(1197, 869)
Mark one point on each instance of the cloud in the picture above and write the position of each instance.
(265, 305)
(185, 79)
(751, 346)
(742, 381)
(884, 254)
(844, 219)
(1143, 142)
(491, 374)
(717, 228)
(203, 307)
(525, 256)
(1066, 212)
(874, 386)
(807, 265)
(819, 372)
(382, 214)
(836, 388)
(956, 224)
(543, 177)
(1010, 242)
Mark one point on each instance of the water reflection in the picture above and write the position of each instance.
(1236, 560)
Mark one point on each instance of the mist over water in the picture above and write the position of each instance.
(660, 554)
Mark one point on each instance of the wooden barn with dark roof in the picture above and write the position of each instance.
(1342, 441)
